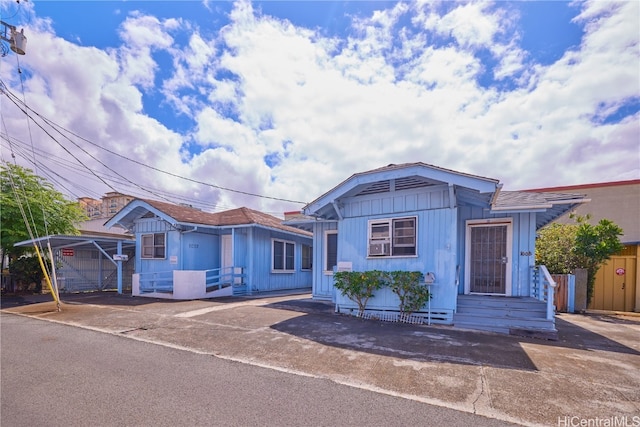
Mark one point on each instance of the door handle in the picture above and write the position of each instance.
(622, 285)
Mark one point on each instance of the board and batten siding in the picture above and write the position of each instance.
(172, 248)
(396, 202)
(436, 252)
(322, 288)
(253, 250)
(522, 250)
(200, 251)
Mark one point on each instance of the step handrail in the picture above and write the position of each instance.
(550, 286)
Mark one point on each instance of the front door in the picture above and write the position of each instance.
(488, 264)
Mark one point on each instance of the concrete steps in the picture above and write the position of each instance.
(510, 315)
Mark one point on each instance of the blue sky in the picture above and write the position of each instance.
(213, 103)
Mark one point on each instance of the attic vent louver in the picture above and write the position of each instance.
(411, 182)
(376, 187)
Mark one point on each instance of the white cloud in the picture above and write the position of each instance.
(320, 109)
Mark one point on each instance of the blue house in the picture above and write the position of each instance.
(474, 243)
(185, 253)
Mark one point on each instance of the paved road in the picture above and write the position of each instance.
(59, 375)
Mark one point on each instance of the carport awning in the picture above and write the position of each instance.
(107, 244)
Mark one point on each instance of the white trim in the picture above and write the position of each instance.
(153, 246)
(284, 256)
(390, 222)
(489, 222)
(227, 241)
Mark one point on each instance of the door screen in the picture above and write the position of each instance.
(488, 263)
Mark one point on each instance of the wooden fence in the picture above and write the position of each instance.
(561, 298)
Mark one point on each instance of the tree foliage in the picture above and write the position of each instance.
(47, 210)
(555, 248)
(565, 247)
(27, 270)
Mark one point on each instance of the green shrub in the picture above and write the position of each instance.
(406, 285)
(358, 286)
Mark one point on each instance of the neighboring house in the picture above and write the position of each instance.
(85, 262)
(478, 241)
(185, 253)
(617, 284)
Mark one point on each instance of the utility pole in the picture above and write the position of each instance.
(17, 40)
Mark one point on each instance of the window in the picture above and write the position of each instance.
(331, 250)
(283, 255)
(153, 246)
(392, 237)
(307, 257)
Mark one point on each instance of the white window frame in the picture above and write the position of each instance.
(325, 257)
(284, 268)
(389, 239)
(153, 246)
(303, 247)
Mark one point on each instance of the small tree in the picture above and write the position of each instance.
(554, 248)
(565, 247)
(406, 284)
(47, 210)
(358, 286)
(594, 246)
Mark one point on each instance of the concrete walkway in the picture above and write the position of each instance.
(591, 373)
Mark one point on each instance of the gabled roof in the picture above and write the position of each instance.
(548, 206)
(470, 189)
(401, 177)
(180, 216)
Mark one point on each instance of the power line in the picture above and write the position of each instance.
(64, 163)
(82, 149)
(60, 128)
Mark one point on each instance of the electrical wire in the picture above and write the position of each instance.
(60, 128)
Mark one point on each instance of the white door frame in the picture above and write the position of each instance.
(491, 222)
(226, 251)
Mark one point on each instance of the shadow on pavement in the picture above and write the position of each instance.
(413, 342)
(432, 343)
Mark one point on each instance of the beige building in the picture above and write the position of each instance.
(106, 207)
(618, 281)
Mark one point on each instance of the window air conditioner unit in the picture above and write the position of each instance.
(379, 249)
